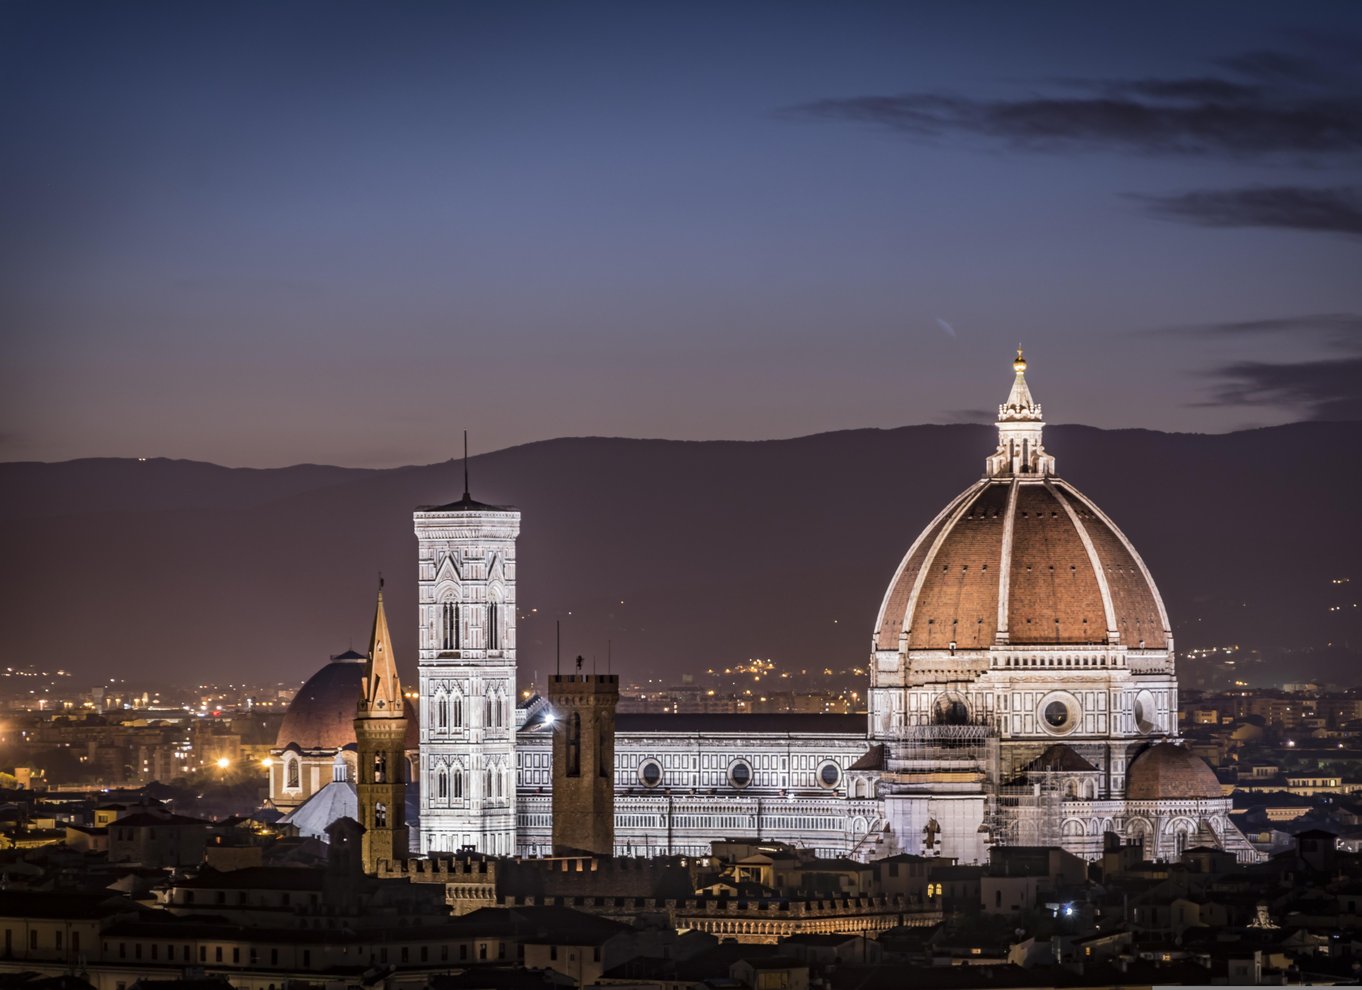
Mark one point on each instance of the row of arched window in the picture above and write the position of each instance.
(449, 626)
(449, 711)
(450, 783)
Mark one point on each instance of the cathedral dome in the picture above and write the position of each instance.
(1169, 772)
(322, 713)
(1021, 558)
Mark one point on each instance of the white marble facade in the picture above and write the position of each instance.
(467, 671)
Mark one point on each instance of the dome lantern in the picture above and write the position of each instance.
(1021, 451)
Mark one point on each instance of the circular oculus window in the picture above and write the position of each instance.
(1059, 713)
(740, 773)
(1146, 713)
(650, 773)
(829, 775)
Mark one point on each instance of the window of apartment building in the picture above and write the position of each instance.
(217, 953)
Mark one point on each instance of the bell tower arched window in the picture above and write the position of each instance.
(380, 815)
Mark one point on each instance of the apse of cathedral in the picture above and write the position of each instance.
(1023, 692)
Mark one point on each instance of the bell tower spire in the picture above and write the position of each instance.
(1021, 452)
(381, 732)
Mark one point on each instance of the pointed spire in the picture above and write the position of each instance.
(1019, 404)
(1020, 452)
(382, 692)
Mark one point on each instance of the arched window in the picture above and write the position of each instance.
(493, 633)
(574, 745)
(291, 774)
(380, 815)
(380, 768)
(458, 711)
(458, 783)
(442, 783)
(442, 711)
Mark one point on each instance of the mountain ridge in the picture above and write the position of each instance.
(721, 550)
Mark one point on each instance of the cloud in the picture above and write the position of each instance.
(1275, 67)
(1324, 388)
(1336, 210)
(1198, 115)
(1337, 327)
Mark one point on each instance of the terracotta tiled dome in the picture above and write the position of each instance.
(1062, 571)
(1169, 772)
(322, 713)
(1070, 576)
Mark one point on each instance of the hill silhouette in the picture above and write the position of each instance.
(683, 554)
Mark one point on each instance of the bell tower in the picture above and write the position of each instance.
(584, 761)
(467, 668)
(380, 732)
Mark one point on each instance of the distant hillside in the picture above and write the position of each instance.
(717, 551)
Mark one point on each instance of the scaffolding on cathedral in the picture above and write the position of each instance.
(946, 753)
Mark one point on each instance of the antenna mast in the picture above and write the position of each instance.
(465, 466)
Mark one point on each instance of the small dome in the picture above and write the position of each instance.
(1169, 772)
(322, 713)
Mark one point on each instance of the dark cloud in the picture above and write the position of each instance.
(1342, 330)
(1200, 115)
(1203, 89)
(1322, 390)
(1271, 66)
(1337, 210)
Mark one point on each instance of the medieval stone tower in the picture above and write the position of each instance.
(584, 761)
(380, 732)
(467, 675)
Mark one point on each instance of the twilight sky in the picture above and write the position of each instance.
(269, 233)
